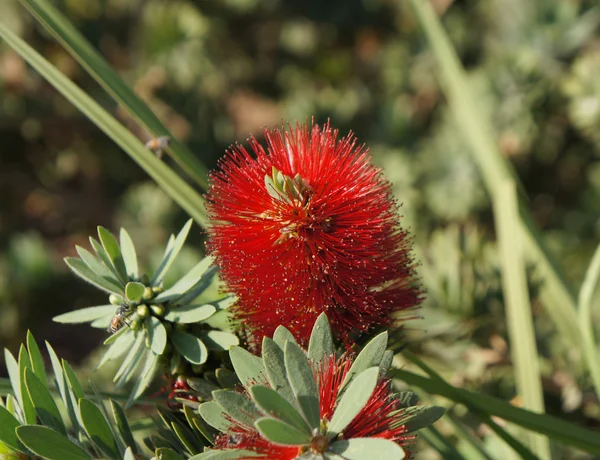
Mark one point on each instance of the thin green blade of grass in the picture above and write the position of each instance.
(586, 295)
(83, 52)
(479, 403)
(521, 331)
(473, 448)
(440, 443)
(167, 179)
(558, 296)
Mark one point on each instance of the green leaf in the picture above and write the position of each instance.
(214, 415)
(72, 380)
(187, 437)
(123, 426)
(134, 291)
(85, 315)
(283, 335)
(37, 362)
(361, 448)
(218, 340)
(118, 347)
(190, 347)
(78, 267)
(131, 361)
(167, 179)
(422, 416)
(129, 454)
(203, 387)
(237, 406)
(321, 340)
(49, 444)
(129, 254)
(190, 313)
(158, 335)
(13, 373)
(189, 280)
(164, 453)
(43, 402)
(353, 400)
(26, 402)
(146, 377)
(301, 378)
(249, 368)
(97, 428)
(281, 433)
(226, 378)
(170, 255)
(275, 405)
(386, 361)
(371, 355)
(97, 266)
(8, 423)
(274, 364)
(111, 246)
(61, 383)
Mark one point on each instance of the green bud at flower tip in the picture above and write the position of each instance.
(115, 299)
(157, 289)
(158, 310)
(134, 325)
(142, 311)
(148, 293)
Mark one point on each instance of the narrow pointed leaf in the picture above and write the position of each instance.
(362, 448)
(355, 397)
(226, 378)
(8, 423)
(283, 335)
(199, 276)
(78, 267)
(26, 402)
(425, 416)
(321, 340)
(37, 362)
(61, 383)
(190, 347)
(97, 428)
(214, 415)
(371, 355)
(129, 254)
(170, 256)
(281, 433)
(218, 340)
(43, 402)
(164, 453)
(117, 348)
(301, 378)
(249, 368)
(123, 426)
(13, 373)
(274, 364)
(49, 444)
(85, 315)
(96, 265)
(190, 313)
(146, 377)
(237, 406)
(131, 361)
(203, 387)
(111, 246)
(275, 405)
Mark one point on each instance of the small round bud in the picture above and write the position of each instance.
(142, 311)
(148, 293)
(158, 310)
(115, 299)
(134, 325)
(157, 289)
(144, 279)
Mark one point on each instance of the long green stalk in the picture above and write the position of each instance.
(83, 52)
(521, 332)
(168, 180)
(558, 297)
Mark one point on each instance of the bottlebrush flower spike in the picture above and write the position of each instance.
(295, 406)
(309, 226)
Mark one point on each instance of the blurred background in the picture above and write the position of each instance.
(216, 71)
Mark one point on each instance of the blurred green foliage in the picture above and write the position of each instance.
(216, 71)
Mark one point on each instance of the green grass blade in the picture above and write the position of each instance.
(586, 294)
(167, 179)
(77, 45)
(553, 427)
(557, 295)
(518, 310)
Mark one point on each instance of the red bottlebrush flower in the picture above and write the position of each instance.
(380, 417)
(309, 226)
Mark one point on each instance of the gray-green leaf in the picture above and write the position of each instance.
(361, 448)
(279, 432)
(301, 378)
(49, 444)
(190, 347)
